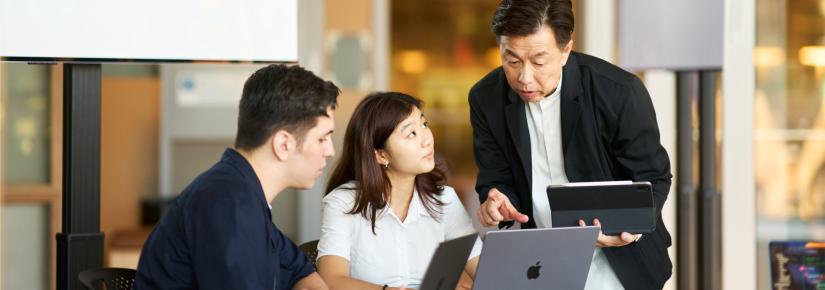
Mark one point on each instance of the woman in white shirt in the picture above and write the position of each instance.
(387, 208)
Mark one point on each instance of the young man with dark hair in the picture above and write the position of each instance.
(218, 234)
(551, 116)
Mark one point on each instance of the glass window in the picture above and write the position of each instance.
(437, 55)
(26, 116)
(789, 125)
(25, 246)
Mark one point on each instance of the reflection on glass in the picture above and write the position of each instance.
(789, 124)
(438, 58)
(26, 144)
(25, 253)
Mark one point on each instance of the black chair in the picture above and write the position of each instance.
(311, 250)
(114, 278)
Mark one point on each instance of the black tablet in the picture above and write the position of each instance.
(620, 206)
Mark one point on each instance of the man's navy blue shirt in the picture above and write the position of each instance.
(218, 234)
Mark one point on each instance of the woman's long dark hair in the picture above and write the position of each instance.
(371, 125)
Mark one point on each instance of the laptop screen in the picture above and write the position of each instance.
(797, 265)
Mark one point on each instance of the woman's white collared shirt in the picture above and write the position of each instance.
(399, 252)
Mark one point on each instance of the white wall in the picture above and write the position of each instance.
(199, 104)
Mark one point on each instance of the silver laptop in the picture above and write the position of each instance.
(447, 263)
(552, 258)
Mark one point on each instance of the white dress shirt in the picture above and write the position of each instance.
(399, 252)
(544, 125)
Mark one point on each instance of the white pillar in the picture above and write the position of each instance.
(381, 50)
(600, 28)
(738, 184)
(662, 87)
(310, 56)
(2, 119)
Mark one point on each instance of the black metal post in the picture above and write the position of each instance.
(687, 83)
(711, 210)
(80, 244)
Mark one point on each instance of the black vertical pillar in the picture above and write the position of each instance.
(80, 244)
(687, 219)
(711, 218)
(699, 206)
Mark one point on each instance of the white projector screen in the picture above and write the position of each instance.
(150, 30)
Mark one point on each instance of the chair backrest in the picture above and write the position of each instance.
(311, 250)
(114, 278)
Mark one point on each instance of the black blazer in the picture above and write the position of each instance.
(609, 132)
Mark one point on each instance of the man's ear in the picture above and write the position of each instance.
(282, 144)
(565, 52)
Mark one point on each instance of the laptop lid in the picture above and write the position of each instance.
(447, 263)
(551, 258)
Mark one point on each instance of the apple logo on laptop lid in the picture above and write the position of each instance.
(534, 271)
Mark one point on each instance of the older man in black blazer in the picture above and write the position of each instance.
(548, 116)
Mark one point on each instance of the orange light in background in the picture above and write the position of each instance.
(411, 61)
(812, 55)
(822, 8)
(812, 245)
(493, 57)
(768, 56)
